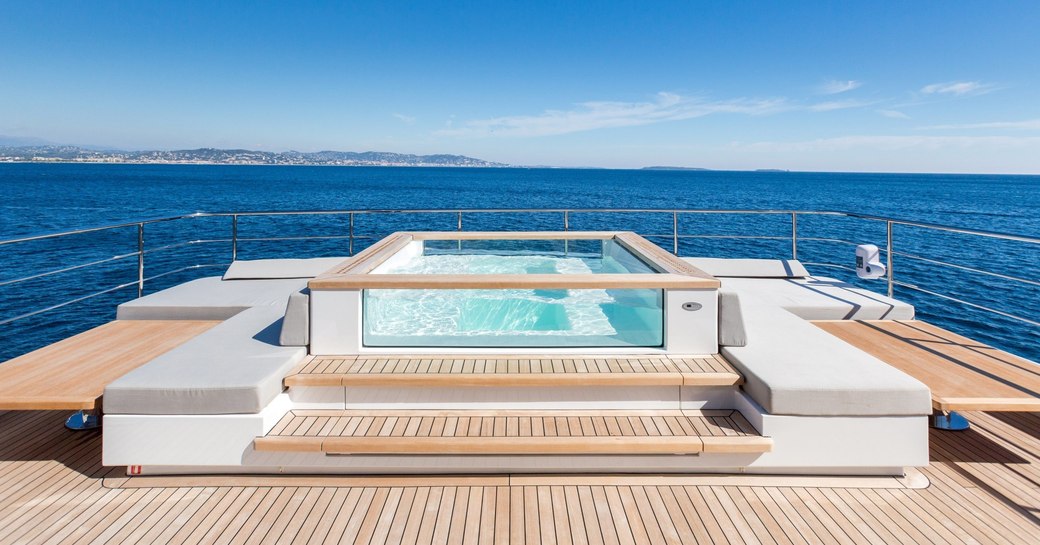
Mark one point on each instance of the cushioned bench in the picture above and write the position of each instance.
(821, 298)
(262, 269)
(788, 285)
(749, 268)
(246, 284)
(236, 367)
(791, 367)
(209, 298)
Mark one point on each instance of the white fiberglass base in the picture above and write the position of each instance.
(822, 442)
(802, 445)
(186, 440)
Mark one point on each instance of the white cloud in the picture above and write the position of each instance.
(838, 105)
(894, 114)
(1029, 124)
(589, 116)
(833, 87)
(405, 118)
(959, 88)
(892, 142)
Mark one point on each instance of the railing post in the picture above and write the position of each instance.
(350, 239)
(888, 252)
(234, 237)
(566, 228)
(140, 259)
(794, 235)
(458, 227)
(675, 232)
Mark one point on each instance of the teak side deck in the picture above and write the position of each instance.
(963, 375)
(72, 374)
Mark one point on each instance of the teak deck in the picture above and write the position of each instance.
(963, 375)
(72, 373)
(484, 432)
(982, 488)
(499, 370)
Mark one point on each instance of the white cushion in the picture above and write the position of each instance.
(749, 268)
(792, 367)
(820, 298)
(236, 367)
(731, 319)
(296, 326)
(209, 298)
(258, 269)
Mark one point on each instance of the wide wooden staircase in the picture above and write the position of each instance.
(513, 406)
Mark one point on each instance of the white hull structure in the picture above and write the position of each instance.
(800, 445)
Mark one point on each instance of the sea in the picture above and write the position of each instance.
(43, 198)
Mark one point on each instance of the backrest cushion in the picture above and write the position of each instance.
(732, 331)
(296, 323)
(263, 269)
(749, 268)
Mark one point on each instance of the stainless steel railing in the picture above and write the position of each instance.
(234, 238)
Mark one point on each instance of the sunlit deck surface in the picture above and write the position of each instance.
(984, 486)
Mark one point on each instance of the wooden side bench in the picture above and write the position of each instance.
(71, 374)
(962, 374)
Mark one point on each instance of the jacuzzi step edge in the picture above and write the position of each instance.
(512, 379)
(502, 432)
(515, 445)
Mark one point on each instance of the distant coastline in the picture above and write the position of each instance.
(674, 168)
(213, 156)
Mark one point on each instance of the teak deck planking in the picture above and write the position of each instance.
(72, 373)
(515, 370)
(513, 432)
(982, 488)
(963, 374)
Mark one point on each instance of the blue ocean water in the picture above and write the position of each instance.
(41, 198)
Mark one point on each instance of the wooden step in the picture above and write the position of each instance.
(517, 432)
(507, 371)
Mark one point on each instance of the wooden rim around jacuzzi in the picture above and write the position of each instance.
(673, 273)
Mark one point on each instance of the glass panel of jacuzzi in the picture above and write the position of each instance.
(514, 317)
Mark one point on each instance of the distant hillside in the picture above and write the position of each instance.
(673, 168)
(75, 154)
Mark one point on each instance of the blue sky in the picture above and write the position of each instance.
(842, 86)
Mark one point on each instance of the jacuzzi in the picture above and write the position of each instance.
(515, 292)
